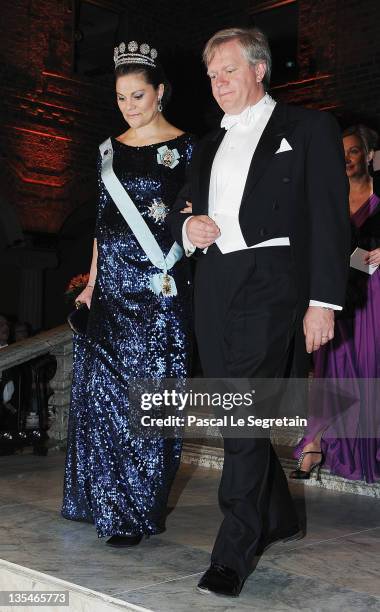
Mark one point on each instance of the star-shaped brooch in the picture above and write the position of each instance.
(168, 157)
(158, 210)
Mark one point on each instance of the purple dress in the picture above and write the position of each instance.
(353, 354)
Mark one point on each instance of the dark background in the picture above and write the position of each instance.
(58, 104)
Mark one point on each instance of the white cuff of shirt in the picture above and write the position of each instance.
(187, 245)
(325, 305)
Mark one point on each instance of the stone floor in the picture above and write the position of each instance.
(335, 567)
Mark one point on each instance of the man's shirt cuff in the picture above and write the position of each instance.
(325, 305)
(188, 246)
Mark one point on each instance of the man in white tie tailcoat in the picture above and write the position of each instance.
(270, 231)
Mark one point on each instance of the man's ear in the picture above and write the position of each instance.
(260, 70)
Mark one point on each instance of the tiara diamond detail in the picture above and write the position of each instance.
(132, 53)
(133, 46)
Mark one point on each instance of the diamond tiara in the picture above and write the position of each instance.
(133, 53)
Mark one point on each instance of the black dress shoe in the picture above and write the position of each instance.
(221, 580)
(124, 541)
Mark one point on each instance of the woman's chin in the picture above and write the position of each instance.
(134, 122)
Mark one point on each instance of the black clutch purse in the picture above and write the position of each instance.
(78, 319)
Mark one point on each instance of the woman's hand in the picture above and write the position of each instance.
(188, 209)
(373, 257)
(86, 296)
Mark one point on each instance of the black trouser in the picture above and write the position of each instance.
(245, 319)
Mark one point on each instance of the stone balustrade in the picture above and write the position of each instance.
(58, 343)
(207, 451)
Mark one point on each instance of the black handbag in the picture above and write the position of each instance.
(78, 319)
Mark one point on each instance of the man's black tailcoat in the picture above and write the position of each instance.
(249, 304)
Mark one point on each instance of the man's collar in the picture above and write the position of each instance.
(248, 115)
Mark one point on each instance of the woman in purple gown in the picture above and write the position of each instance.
(345, 439)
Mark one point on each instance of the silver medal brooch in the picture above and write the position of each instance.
(168, 157)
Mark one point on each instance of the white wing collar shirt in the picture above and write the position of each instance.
(228, 177)
(230, 170)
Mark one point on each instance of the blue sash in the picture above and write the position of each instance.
(159, 283)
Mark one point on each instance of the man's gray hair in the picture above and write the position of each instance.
(254, 46)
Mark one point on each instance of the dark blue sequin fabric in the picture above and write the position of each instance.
(113, 478)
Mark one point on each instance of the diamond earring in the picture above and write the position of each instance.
(159, 105)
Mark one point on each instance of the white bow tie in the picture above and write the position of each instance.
(245, 118)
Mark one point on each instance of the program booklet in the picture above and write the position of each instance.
(357, 261)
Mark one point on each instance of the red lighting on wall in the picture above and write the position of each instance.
(38, 133)
(313, 79)
(45, 182)
(40, 160)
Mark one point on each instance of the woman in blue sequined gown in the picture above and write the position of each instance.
(114, 479)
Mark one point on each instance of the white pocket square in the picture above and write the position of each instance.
(284, 146)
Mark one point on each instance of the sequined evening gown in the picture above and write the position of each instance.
(113, 478)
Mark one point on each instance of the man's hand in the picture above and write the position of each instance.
(202, 231)
(318, 327)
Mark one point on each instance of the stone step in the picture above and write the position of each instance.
(212, 457)
(14, 577)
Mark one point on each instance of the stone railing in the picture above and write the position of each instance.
(207, 451)
(58, 343)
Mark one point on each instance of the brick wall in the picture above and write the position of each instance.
(35, 144)
(54, 119)
(358, 59)
(339, 59)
